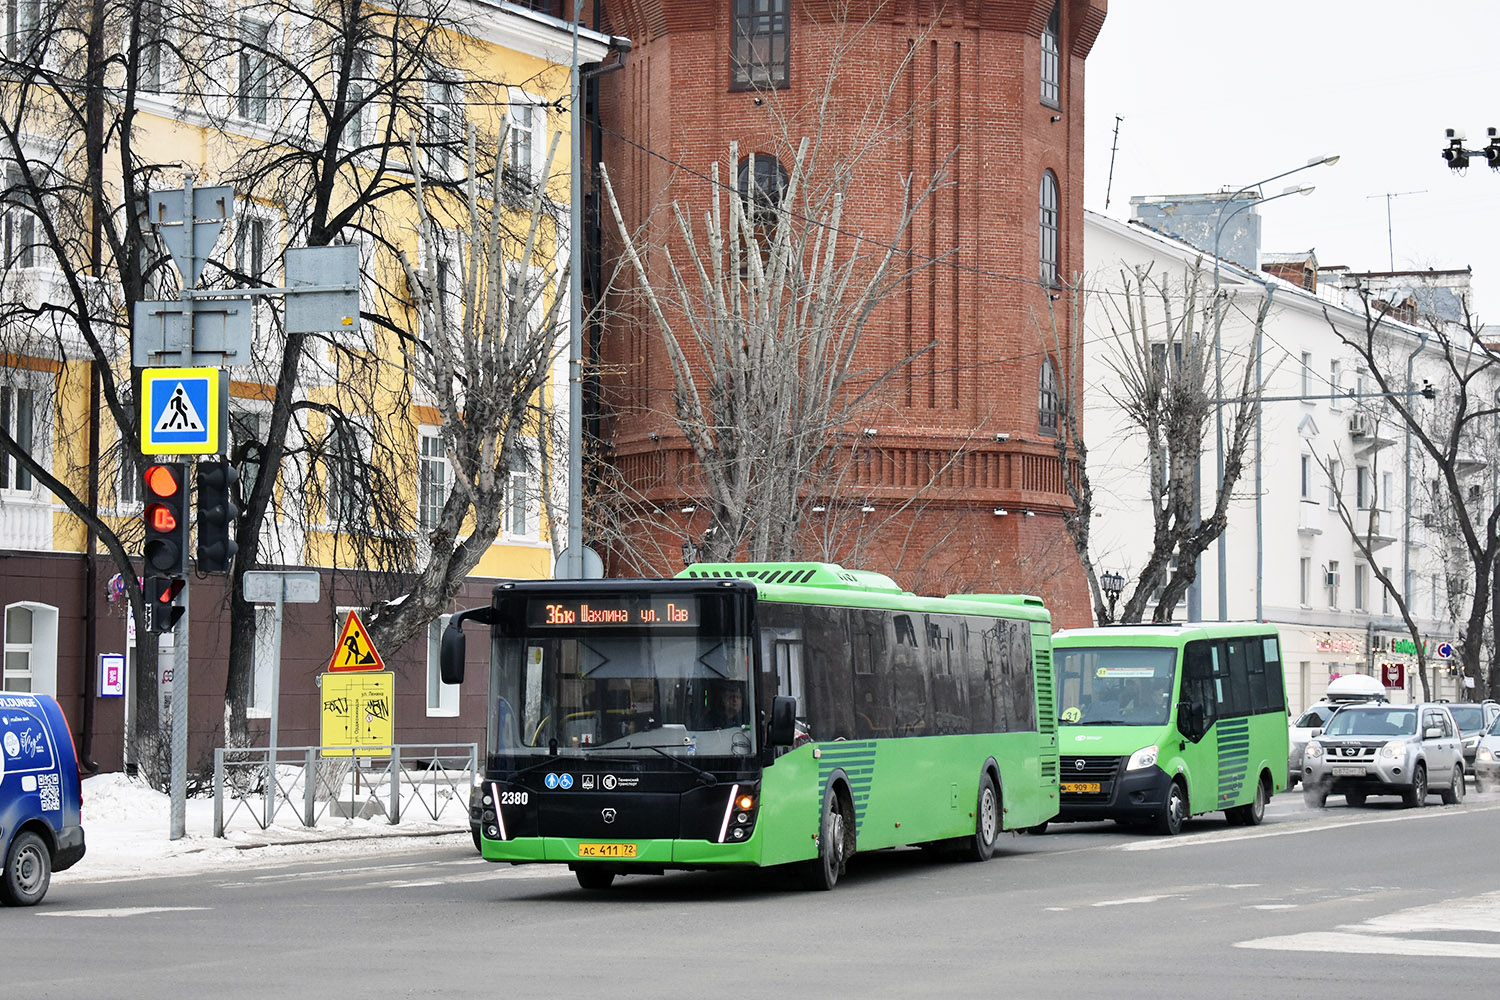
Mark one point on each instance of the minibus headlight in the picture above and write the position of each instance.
(1144, 757)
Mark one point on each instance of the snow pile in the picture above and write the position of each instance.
(127, 828)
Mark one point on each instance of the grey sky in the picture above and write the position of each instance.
(1220, 96)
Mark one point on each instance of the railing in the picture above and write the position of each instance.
(311, 783)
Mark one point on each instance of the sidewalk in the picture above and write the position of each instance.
(127, 826)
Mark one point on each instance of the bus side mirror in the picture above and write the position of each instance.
(1190, 720)
(783, 721)
(451, 655)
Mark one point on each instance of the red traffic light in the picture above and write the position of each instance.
(161, 517)
(163, 481)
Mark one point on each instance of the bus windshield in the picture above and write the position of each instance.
(1115, 685)
(644, 690)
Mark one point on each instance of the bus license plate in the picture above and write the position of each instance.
(606, 850)
(1348, 772)
(1081, 787)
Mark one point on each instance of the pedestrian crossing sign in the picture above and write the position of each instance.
(354, 650)
(183, 410)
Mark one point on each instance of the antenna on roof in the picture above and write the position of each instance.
(1390, 245)
(1110, 182)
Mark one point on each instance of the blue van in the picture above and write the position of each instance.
(40, 797)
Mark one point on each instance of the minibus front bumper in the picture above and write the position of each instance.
(1103, 789)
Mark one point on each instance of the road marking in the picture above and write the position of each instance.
(1278, 830)
(120, 911)
(1273, 906)
(1389, 934)
(1133, 900)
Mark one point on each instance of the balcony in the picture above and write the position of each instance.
(1376, 527)
(1309, 518)
(1368, 432)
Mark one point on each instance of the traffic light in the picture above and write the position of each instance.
(216, 516)
(166, 519)
(162, 612)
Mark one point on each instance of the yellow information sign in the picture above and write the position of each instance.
(354, 650)
(358, 712)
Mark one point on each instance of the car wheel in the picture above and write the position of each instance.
(1417, 796)
(28, 871)
(1454, 794)
(1355, 799)
(1173, 811)
(1315, 797)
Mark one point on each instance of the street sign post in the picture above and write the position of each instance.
(355, 650)
(184, 411)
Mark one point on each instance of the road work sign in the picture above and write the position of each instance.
(354, 650)
(183, 410)
(358, 713)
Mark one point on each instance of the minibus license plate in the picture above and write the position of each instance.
(1348, 772)
(606, 850)
(1080, 787)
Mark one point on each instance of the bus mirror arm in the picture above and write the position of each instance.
(451, 655)
(783, 721)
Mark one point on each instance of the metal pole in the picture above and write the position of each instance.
(275, 705)
(572, 565)
(178, 819)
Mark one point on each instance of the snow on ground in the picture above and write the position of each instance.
(127, 827)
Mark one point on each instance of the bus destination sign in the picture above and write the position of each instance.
(605, 612)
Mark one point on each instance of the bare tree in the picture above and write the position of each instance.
(1456, 435)
(1165, 336)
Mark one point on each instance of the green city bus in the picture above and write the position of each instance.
(1157, 723)
(757, 714)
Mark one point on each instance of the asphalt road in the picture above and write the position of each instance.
(1379, 902)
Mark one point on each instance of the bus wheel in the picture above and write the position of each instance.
(835, 846)
(28, 871)
(1253, 811)
(1173, 811)
(594, 878)
(981, 846)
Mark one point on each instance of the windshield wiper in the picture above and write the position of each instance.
(704, 777)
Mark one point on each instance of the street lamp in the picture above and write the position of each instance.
(1195, 595)
(1112, 584)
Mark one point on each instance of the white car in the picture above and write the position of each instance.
(1487, 759)
(1405, 750)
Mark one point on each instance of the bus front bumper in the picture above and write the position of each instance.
(653, 855)
(1138, 794)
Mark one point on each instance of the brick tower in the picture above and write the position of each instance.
(959, 470)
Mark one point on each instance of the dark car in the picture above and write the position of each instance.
(1473, 720)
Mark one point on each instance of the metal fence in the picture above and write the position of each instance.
(309, 784)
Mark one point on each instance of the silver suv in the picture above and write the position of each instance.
(1404, 750)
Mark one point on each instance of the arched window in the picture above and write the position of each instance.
(761, 185)
(1052, 59)
(1047, 399)
(1047, 230)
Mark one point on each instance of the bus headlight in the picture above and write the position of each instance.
(1144, 757)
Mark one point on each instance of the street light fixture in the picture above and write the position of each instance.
(1112, 584)
(1195, 608)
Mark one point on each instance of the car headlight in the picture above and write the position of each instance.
(1313, 750)
(1144, 757)
(1394, 749)
(1485, 754)
(1471, 742)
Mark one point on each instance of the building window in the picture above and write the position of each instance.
(357, 108)
(345, 496)
(442, 699)
(432, 481)
(18, 416)
(30, 649)
(1052, 59)
(152, 34)
(1335, 387)
(245, 437)
(254, 83)
(250, 244)
(19, 223)
(1306, 477)
(526, 145)
(1047, 399)
(518, 498)
(1385, 594)
(444, 126)
(22, 26)
(1335, 484)
(1331, 581)
(761, 183)
(1307, 373)
(1304, 580)
(1361, 585)
(1362, 487)
(1048, 229)
(760, 40)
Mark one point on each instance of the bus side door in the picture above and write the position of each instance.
(1204, 686)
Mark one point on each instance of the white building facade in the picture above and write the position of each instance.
(1324, 436)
